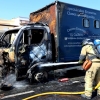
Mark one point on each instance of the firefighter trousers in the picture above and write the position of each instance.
(92, 75)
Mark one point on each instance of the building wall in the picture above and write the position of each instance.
(6, 24)
(4, 28)
(15, 22)
(20, 21)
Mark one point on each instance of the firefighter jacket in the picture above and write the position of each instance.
(88, 52)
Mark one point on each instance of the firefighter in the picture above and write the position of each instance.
(93, 73)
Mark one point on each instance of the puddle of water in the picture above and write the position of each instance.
(20, 84)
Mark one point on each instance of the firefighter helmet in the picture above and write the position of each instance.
(86, 41)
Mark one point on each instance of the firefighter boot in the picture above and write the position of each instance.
(86, 97)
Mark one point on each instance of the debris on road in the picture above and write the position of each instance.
(63, 80)
(6, 86)
(76, 82)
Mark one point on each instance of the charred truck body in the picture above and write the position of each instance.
(69, 24)
(40, 47)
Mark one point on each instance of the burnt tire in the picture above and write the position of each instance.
(39, 77)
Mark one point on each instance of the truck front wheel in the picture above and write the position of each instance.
(39, 77)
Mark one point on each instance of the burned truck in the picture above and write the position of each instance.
(25, 46)
(52, 40)
(32, 46)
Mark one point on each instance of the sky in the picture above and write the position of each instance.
(14, 8)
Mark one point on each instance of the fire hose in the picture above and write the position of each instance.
(59, 93)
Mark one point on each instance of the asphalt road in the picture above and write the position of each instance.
(22, 89)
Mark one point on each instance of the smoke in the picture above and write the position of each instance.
(11, 79)
(20, 84)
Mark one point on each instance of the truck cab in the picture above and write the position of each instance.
(32, 45)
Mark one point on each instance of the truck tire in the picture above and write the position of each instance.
(39, 77)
